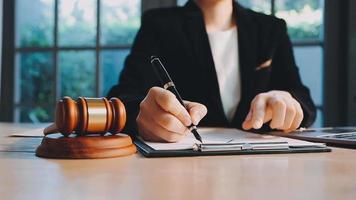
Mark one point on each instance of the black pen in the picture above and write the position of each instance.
(168, 84)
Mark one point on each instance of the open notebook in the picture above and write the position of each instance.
(228, 141)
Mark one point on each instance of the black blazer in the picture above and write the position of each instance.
(178, 36)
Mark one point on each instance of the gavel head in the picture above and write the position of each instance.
(90, 115)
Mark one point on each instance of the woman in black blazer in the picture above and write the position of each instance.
(272, 94)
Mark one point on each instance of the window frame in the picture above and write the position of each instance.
(9, 109)
(7, 63)
(339, 85)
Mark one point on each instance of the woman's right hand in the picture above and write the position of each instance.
(163, 119)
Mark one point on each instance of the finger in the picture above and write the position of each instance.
(154, 132)
(268, 115)
(298, 117)
(196, 110)
(171, 123)
(247, 124)
(289, 115)
(169, 103)
(258, 111)
(144, 131)
(278, 112)
(164, 119)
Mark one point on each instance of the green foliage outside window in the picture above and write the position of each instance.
(35, 36)
(76, 28)
(111, 35)
(36, 83)
(77, 70)
(303, 17)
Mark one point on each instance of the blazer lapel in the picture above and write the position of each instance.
(247, 41)
(197, 36)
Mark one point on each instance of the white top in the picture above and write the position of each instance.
(224, 47)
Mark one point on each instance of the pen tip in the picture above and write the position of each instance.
(197, 136)
(200, 140)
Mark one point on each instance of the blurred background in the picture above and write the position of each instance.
(56, 48)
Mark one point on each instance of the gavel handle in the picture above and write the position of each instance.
(50, 129)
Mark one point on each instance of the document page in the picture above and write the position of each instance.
(31, 133)
(229, 136)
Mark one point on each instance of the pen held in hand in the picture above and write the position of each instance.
(168, 84)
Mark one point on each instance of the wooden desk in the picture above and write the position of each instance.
(285, 176)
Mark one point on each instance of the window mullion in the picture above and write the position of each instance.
(273, 7)
(97, 52)
(8, 64)
(56, 70)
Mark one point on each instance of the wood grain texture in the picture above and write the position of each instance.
(284, 176)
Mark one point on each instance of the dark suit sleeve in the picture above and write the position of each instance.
(285, 76)
(136, 76)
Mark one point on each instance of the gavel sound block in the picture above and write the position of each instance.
(81, 130)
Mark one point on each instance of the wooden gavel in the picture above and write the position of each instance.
(88, 116)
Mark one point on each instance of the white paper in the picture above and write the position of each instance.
(31, 133)
(224, 135)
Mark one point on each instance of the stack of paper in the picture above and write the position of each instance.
(219, 139)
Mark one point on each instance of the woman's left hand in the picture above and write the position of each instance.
(279, 107)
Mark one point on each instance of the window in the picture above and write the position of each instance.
(68, 48)
(77, 48)
(305, 27)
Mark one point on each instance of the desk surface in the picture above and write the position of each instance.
(285, 176)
